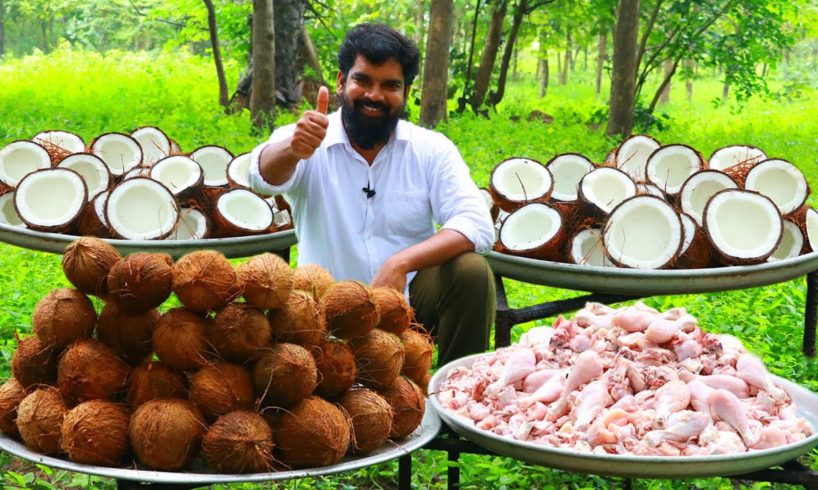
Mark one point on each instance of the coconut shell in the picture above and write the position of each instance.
(11, 394)
(698, 254)
(408, 406)
(141, 281)
(221, 388)
(128, 334)
(63, 316)
(39, 420)
(96, 433)
(336, 368)
(301, 321)
(799, 218)
(34, 363)
(349, 309)
(166, 434)
(87, 262)
(396, 314)
(152, 380)
(419, 348)
(379, 358)
(314, 433)
(739, 171)
(371, 419)
(284, 375)
(180, 340)
(90, 223)
(267, 281)
(312, 278)
(89, 370)
(507, 205)
(553, 250)
(238, 332)
(239, 442)
(205, 281)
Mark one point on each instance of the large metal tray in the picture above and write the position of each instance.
(427, 431)
(633, 466)
(641, 282)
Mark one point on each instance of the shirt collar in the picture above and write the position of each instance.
(336, 134)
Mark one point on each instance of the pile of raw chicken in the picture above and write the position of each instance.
(626, 381)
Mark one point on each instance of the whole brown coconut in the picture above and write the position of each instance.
(313, 279)
(96, 433)
(89, 369)
(180, 340)
(166, 434)
(63, 316)
(284, 375)
(87, 262)
(140, 281)
(239, 442)
(204, 280)
(39, 420)
(314, 433)
(419, 348)
(349, 309)
(152, 380)
(408, 406)
(336, 368)
(238, 332)
(371, 419)
(396, 314)
(11, 394)
(267, 281)
(378, 358)
(34, 362)
(220, 388)
(128, 334)
(300, 321)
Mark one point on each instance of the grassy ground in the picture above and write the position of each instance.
(91, 93)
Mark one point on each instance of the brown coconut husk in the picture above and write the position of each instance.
(221, 388)
(301, 321)
(336, 368)
(152, 380)
(266, 280)
(180, 340)
(87, 262)
(239, 442)
(378, 358)
(205, 281)
(371, 418)
(128, 334)
(312, 278)
(90, 223)
(314, 433)
(698, 253)
(96, 433)
(408, 406)
(284, 375)
(349, 309)
(34, 363)
(166, 434)
(39, 420)
(11, 394)
(419, 348)
(396, 314)
(739, 171)
(238, 332)
(799, 218)
(89, 369)
(63, 316)
(141, 281)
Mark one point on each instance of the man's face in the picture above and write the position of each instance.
(373, 99)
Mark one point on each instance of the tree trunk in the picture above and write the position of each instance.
(289, 22)
(670, 68)
(462, 101)
(262, 93)
(436, 66)
(559, 68)
(310, 55)
(569, 60)
(764, 70)
(515, 59)
(725, 91)
(2, 29)
(483, 77)
(690, 65)
(217, 56)
(43, 36)
(601, 58)
(543, 64)
(623, 77)
(495, 97)
(585, 58)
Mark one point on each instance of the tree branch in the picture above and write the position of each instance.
(166, 21)
(648, 29)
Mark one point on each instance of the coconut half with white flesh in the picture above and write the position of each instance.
(240, 212)
(743, 226)
(604, 188)
(92, 170)
(20, 158)
(154, 142)
(515, 182)
(670, 166)
(535, 231)
(810, 229)
(237, 171)
(729, 156)
(493, 209)
(51, 199)
(192, 225)
(632, 155)
(119, 151)
(59, 144)
(180, 174)
(214, 161)
(92, 220)
(567, 170)
(696, 251)
(141, 209)
(699, 188)
(792, 243)
(781, 181)
(138, 171)
(587, 249)
(8, 214)
(643, 232)
(650, 190)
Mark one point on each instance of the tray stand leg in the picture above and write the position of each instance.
(504, 318)
(405, 472)
(810, 317)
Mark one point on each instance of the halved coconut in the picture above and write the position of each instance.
(51, 199)
(516, 182)
(670, 166)
(632, 155)
(92, 170)
(138, 171)
(781, 181)
(282, 216)
(586, 249)
(119, 151)
(699, 188)
(696, 250)
(214, 161)
(792, 242)
(20, 158)
(728, 156)
(567, 170)
(180, 174)
(494, 211)
(237, 171)
(650, 190)
(643, 232)
(192, 225)
(64, 140)
(744, 226)
(241, 212)
(154, 142)
(141, 209)
(603, 188)
(92, 221)
(8, 214)
(811, 228)
(534, 230)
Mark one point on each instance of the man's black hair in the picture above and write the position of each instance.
(378, 43)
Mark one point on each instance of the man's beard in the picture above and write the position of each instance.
(368, 132)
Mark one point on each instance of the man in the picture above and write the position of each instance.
(367, 188)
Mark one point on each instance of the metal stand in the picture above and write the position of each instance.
(135, 485)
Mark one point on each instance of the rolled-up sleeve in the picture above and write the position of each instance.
(257, 182)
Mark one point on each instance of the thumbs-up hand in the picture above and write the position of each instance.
(311, 128)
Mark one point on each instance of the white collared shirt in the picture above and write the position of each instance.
(419, 179)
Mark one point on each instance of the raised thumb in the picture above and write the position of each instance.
(323, 100)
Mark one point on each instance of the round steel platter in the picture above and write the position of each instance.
(427, 430)
(633, 466)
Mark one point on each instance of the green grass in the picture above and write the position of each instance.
(91, 93)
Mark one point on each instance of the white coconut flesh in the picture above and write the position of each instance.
(699, 188)
(688, 232)
(214, 161)
(586, 249)
(607, 187)
(8, 215)
(99, 207)
(812, 229)
(245, 210)
(781, 181)
(177, 173)
(141, 209)
(733, 155)
(50, 197)
(643, 232)
(154, 142)
(138, 171)
(282, 218)
(19, 159)
(237, 169)
(792, 240)
(670, 166)
(633, 155)
(529, 227)
(92, 170)
(67, 141)
(120, 152)
(192, 225)
(521, 180)
(743, 224)
(567, 170)
(649, 189)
